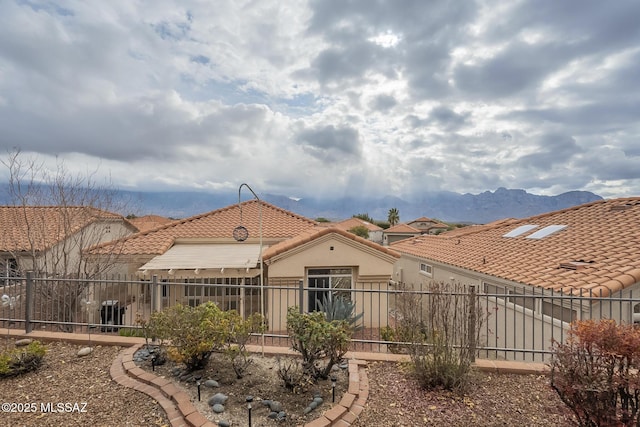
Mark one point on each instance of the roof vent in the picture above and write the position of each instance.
(625, 206)
(575, 265)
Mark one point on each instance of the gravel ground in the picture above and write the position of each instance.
(84, 388)
(395, 399)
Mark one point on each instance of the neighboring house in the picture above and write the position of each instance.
(49, 239)
(428, 226)
(149, 222)
(375, 232)
(589, 250)
(398, 232)
(223, 247)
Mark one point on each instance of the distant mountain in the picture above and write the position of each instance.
(443, 205)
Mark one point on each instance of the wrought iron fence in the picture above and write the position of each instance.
(507, 325)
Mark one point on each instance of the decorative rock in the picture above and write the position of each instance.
(176, 372)
(223, 423)
(318, 400)
(275, 406)
(23, 342)
(84, 351)
(281, 415)
(272, 415)
(211, 383)
(344, 365)
(313, 405)
(218, 398)
(266, 402)
(307, 410)
(218, 408)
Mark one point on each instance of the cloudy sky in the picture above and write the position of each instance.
(328, 97)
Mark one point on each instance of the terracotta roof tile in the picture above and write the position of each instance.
(149, 222)
(603, 234)
(314, 233)
(277, 224)
(25, 228)
(349, 223)
(402, 228)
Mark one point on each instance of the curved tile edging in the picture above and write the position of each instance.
(182, 412)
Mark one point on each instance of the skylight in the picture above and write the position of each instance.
(548, 230)
(520, 230)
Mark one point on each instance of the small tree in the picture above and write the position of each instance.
(79, 216)
(364, 217)
(238, 332)
(193, 332)
(317, 338)
(596, 373)
(360, 230)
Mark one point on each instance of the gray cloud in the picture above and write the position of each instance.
(403, 95)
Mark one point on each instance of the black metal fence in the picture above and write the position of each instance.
(509, 326)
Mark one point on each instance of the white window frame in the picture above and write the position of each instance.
(426, 269)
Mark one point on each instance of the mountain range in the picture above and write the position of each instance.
(442, 205)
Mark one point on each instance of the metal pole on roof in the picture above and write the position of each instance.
(260, 255)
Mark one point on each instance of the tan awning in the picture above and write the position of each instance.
(206, 256)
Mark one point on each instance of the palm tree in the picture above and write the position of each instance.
(394, 216)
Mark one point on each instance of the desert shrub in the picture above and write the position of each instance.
(441, 328)
(318, 339)
(19, 360)
(131, 332)
(596, 372)
(194, 332)
(237, 333)
(292, 374)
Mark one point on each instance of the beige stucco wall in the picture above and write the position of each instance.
(371, 268)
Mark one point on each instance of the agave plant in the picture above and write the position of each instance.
(340, 308)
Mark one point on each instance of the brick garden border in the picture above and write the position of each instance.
(181, 412)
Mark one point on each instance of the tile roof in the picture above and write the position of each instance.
(277, 224)
(316, 232)
(402, 229)
(149, 222)
(598, 251)
(349, 223)
(26, 228)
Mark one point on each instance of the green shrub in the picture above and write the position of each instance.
(237, 332)
(194, 332)
(596, 373)
(317, 338)
(21, 359)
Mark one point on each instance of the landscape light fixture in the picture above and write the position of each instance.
(249, 399)
(198, 378)
(333, 387)
(240, 233)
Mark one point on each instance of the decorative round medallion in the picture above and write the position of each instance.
(240, 233)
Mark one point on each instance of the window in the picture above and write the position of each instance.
(333, 282)
(525, 300)
(426, 269)
(494, 291)
(558, 312)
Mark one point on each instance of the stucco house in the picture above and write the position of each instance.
(253, 248)
(49, 239)
(428, 225)
(398, 232)
(375, 231)
(590, 251)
